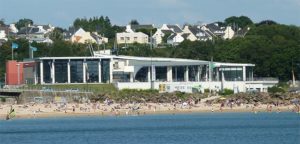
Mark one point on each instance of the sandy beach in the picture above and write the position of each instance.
(33, 110)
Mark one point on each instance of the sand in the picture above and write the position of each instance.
(32, 110)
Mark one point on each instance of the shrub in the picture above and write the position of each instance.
(227, 92)
(275, 89)
(3, 99)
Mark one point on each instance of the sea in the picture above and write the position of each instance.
(195, 128)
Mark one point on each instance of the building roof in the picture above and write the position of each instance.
(185, 36)
(136, 27)
(175, 28)
(148, 61)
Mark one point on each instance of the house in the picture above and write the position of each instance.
(242, 32)
(37, 33)
(175, 39)
(159, 34)
(196, 33)
(174, 28)
(217, 31)
(132, 37)
(81, 36)
(134, 28)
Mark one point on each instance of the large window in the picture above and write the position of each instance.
(178, 73)
(92, 71)
(76, 71)
(161, 73)
(105, 70)
(142, 75)
(249, 73)
(61, 71)
(231, 73)
(47, 64)
(121, 77)
(193, 71)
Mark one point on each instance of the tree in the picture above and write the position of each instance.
(266, 22)
(23, 23)
(2, 22)
(134, 22)
(238, 22)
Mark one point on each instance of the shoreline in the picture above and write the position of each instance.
(141, 112)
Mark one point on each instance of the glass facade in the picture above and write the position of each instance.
(47, 64)
(142, 75)
(92, 71)
(193, 71)
(231, 73)
(76, 71)
(249, 73)
(105, 64)
(121, 77)
(61, 71)
(178, 73)
(161, 73)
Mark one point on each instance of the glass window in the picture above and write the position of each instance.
(178, 73)
(92, 71)
(61, 71)
(142, 75)
(161, 73)
(193, 71)
(105, 69)
(76, 71)
(47, 64)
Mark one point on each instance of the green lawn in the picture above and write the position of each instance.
(96, 88)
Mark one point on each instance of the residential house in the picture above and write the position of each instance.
(175, 39)
(217, 31)
(242, 32)
(134, 28)
(174, 28)
(81, 36)
(159, 34)
(132, 37)
(196, 33)
(37, 33)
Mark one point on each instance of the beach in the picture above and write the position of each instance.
(33, 110)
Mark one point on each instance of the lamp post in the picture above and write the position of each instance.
(18, 71)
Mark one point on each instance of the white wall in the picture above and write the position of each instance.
(138, 37)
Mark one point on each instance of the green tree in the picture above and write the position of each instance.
(23, 23)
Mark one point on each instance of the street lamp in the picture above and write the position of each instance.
(18, 70)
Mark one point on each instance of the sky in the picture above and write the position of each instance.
(62, 13)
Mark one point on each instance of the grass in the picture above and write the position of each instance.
(96, 88)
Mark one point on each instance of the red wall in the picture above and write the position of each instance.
(12, 73)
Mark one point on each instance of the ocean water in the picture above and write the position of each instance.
(207, 128)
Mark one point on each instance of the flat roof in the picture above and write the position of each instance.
(153, 60)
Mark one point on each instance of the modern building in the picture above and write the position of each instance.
(165, 74)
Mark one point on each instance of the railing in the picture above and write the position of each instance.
(263, 79)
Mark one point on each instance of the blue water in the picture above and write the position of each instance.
(208, 128)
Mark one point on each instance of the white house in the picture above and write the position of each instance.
(175, 39)
(81, 36)
(175, 28)
(13, 28)
(228, 33)
(159, 34)
(132, 37)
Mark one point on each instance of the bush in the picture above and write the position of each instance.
(206, 90)
(275, 89)
(3, 99)
(227, 92)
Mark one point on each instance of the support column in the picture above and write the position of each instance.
(53, 72)
(84, 71)
(99, 71)
(169, 74)
(131, 77)
(69, 72)
(244, 73)
(198, 74)
(149, 74)
(41, 72)
(111, 71)
(186, 74)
